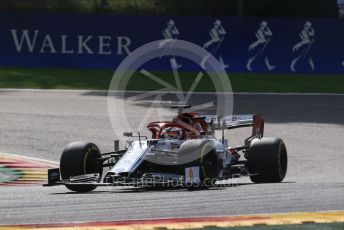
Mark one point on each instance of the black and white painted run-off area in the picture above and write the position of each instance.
(39, 123)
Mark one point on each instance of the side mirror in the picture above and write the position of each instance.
(128, 134)
(116, 145)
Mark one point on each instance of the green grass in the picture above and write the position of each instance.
(35, 78)
(310, 226)
(49, 78)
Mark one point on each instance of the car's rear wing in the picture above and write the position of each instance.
(229, 122)
(237, 121)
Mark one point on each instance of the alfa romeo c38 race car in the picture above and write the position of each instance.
(183, 152)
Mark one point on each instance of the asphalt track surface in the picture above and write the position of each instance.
(40, 123)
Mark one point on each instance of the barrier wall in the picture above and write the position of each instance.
(241, 44)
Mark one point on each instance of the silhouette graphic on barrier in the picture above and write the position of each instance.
(303, 47)
(259, 47)
(217, 34)
(170, 34)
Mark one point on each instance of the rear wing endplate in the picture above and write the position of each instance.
(255, 121)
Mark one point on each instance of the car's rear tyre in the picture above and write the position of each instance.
(80, 158)
(267, 160)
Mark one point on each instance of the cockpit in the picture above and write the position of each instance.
(185, 126)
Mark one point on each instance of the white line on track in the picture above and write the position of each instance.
(205, 93)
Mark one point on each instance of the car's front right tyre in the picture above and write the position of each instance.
(79, 158)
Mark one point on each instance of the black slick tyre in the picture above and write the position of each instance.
(267, 160)
(80, 158)
(200, 153)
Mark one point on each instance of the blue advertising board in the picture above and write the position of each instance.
(284, 45)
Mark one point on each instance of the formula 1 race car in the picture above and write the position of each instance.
(183, 152)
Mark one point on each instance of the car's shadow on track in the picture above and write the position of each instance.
(143, 190)
(164, 189)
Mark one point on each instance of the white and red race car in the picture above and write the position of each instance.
(183, 152)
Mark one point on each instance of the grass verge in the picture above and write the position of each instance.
(50, 78)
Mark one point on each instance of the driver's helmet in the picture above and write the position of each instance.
(172, 133)
(187, 118)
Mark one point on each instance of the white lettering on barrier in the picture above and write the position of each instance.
(123, 43)
(64, 49)
(82, 44)
(47, 43)
(34, 41)
(24, 36)
(104, 42)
